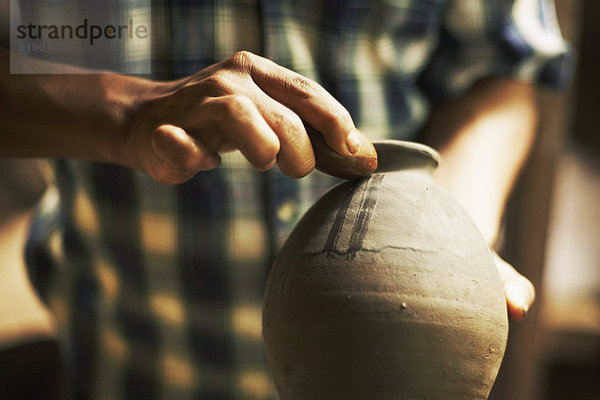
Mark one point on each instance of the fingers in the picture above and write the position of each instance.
(250, 103)
(307, 99)
(519, 291)
(362, 164)
(296, 157)
(178, 156)
(233, 121)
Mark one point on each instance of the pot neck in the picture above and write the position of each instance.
(399, 155)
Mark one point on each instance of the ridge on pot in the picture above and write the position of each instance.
(385, 289)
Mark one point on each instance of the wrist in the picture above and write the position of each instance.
(144, 114)
(131, 116)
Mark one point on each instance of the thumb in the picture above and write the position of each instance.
(519, 291)
(178, 156)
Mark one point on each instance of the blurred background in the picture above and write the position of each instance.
(551, 233)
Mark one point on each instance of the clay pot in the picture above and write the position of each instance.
(385, 290)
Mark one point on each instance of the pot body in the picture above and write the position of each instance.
(385, 290)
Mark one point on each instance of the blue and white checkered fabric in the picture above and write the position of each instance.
(158, 289)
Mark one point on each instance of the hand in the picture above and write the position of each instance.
(519, 291)
(244, 102)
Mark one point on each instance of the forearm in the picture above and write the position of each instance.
(79, 116)
(174, 129)
(484, 138)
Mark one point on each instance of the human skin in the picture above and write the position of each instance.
(172, 130)
(484, 138)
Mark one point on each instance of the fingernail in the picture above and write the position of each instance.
(517, 298)
(353, 141)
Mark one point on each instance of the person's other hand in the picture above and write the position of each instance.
(519, 291)
(245, 103)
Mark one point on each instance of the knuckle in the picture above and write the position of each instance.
(215, 85)
(302, 87)
(336, 119)
(289, 125)
(239, 106)
(241, 59)
(233, 107)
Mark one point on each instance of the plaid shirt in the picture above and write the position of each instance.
(158, 289)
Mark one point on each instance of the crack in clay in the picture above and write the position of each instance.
(352, 252)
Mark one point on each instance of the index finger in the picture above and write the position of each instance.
(309, 100)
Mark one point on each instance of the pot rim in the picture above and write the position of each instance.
(396, 155)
